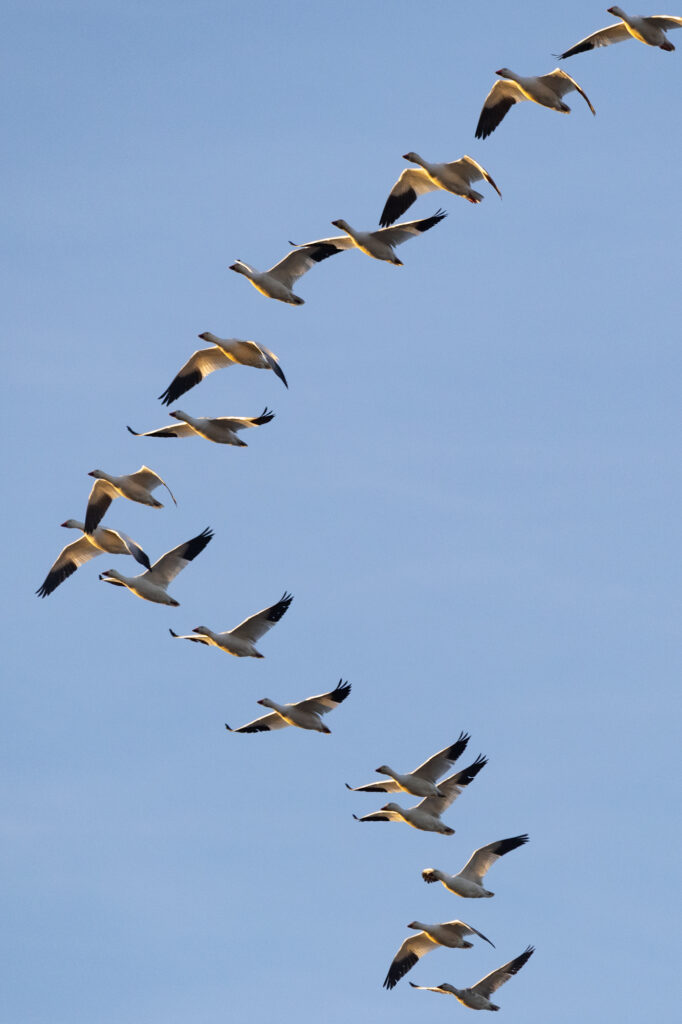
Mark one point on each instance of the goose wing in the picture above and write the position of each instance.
(665, 21)
(432, 988)
(68, 560)
(250, 353)
(438, 764)
(235, 423)
(470, 170)
(325, 702)
(460, 929)
(499, 101)
(132, 548)
(295, 264)
(150, 480)
(99, 500)
(172, 430)
(376, 787)
(266, 723)
(412, 950)
(561, 83)
(166, 568)
(257, 625)
(199, 365)
(482, 860)
(617, 33)
(413, 182)
(400, 233)
(199, 639)
(379, 816)
(486, 986)
(451, 788)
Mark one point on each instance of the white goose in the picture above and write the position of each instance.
(449, 933)
(378, 244)
(651, 30)
(152, 584)
(241, 641)
(469, 881)
(80, 551)
(136, 487)
(222, 430)
(306, 714)
(478, 996)
(278, 281)
(455, 177)
(546, 90)
(426, 814)
(422, 781)
(223, 352)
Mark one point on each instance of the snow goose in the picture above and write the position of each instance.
(469, 881)
(306, 714)
(455, 177)
(223, 352)
(478, 996)
(278, 281)
(136, 487)
(80, 551)
(449, 933)
(152, 584)
(378, 244)
(546, 90)
(426, 814)
(222, 430)
(422, 781)
(241, 641)
(651, 31)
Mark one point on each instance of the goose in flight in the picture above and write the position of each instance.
(152, 584)
(306, 714)
(651, 31)
(223, 352)
(426, 814)
(469, 881)
(80, 551)
(422, 781)
(449, 933)
(222, 430)
(378, 244)
(241, 641)
(278, 281)
(478, 996)
(546, 90)
(136, 487)
(455, 177)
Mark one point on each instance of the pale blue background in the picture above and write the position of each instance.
(472, 488)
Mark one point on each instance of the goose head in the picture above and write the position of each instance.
(384, 770)
(241, 268)
(111, 576)
(618, 11)
(343, 225)
(72, 524)
(266, 702)
(392, 807)
(179, 415)
(98, 474)
(202, 630)
(506, 73)
(207, 336)
(417, 925)
(412, 157)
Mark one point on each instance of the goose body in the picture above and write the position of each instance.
(426, 815)
(455, 177)
(546, 90)
(306, 714)
(378, 244)
(221, 430)
(469, 881)
(278, 281)
(136, 487)
(152, 584)
(449, 933)
(102, 540)
(651, 31)
(223, 352)
(478, 996)
(241, 641)
(423, 780)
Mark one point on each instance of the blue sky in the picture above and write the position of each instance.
(472, 488)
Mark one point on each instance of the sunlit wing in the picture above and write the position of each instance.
(562, 83)
(99, 500)
(617, 33)
(172, 430)
(296, 263)
(499, 101)
(169, 565)
(68, 560)
(486, 986)
(470, 170)
(325, 702)
(451, 788)
(412, 949)
(438, 764)
(266, 723)
(150, 480)
(257, 625)
(199, 365)
(400, 233)
(482, 859)
(412, 182)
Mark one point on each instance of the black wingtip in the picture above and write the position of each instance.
(228, 728)
(176, 635)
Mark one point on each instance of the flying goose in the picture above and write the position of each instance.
(136, 487)
(426, 814)
(241, 641)
(651, 31)
(379, 244)
(469, 881)
(304, 713)
(222, 430)
(449, 933)
(152, 584)
(223, 352)
(455, 177)
(278, 281)
(89, 546)
(478, 996)
(422, 781)
(546, 90)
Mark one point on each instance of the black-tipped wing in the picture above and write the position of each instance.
(486, 986)
(400, 233)
(172, 430)
(133, 549)
(295, 264)
(452, 787)
(411, 951)
(413, 182)
(273, 362)
(235, 423)
(257, 625)
(499, 101)
(561, 83)
(101, 497)
(267, 723)
(69, 559)
(617, 33)
(174, 561)
(150, 480)
(197, 639)
(483, 858)
(378, 815)
(325, 702)
(438, 764)
(199, 365)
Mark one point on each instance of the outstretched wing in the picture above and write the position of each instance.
(172, 430)
(174, 561)
(199, 365)
(257, 625)
(413, 182)
(459, 928)
(296, 263)
(438, 764)
(99, 500)
(486, 986)
(400, 233)
(150, 480)
(266, 723)
(561, 83)
(499, 101)
(379, 816)
(617, 33)
(325, 702)
(451, 788)
(665, 21)
(235, 423)
(482, 860)
(412, 950)
(68, 560)
(133, 549)
(197, 639)
(470, 170)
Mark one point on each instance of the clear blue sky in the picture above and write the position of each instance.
(472, 488)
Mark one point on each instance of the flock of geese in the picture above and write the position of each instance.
(435, 794)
